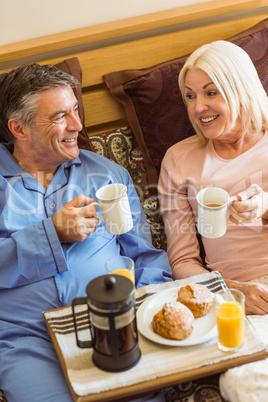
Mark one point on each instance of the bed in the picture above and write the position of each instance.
(130, 104)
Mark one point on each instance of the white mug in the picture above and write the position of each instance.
(213, 211)
(114, 204)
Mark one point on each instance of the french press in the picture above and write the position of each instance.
(112, 322)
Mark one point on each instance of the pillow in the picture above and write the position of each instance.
(153, 103)
(154, 109)
(72, 66)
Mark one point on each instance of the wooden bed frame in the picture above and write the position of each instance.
(133, 43)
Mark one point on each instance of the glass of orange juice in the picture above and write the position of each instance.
(121, 265)
(230, 314)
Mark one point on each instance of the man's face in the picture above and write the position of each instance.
(53, 135)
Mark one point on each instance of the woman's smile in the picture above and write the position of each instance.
(206, 120)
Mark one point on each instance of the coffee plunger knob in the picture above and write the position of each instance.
(109, 281)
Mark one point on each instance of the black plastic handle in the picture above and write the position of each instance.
(80, 301)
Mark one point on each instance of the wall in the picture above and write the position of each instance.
(27, 19)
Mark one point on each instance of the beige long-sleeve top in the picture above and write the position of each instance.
(242, 253)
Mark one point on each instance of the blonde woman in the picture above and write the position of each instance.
(228, 108)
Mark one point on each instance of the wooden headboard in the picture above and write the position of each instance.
(133, 43)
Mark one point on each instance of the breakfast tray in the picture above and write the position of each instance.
(159, 366)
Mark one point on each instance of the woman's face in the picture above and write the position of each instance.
(207, 107)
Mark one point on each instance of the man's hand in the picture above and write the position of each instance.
(76, 220)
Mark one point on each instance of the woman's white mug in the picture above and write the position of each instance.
(114, 204)
(213, 211)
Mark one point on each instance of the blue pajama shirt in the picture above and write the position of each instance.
(38, 273)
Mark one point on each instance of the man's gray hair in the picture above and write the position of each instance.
(20, 89)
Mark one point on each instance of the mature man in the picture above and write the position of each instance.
(52, 244)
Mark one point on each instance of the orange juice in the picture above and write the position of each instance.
(230, 323)
(124, 272)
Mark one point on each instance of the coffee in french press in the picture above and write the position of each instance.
(112, 322)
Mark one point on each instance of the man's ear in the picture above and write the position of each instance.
(17, 128)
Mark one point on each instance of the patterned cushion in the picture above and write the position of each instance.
(200, 390)
(118, 146)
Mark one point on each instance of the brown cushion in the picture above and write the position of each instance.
(153, 103)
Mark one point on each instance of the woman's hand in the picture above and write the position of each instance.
(256, 295)
(252, 204)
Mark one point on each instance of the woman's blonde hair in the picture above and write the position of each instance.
(235, 76)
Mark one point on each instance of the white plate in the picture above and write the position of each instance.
(204, 327)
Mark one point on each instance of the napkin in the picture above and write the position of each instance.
(156, 361)
(246, 383)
